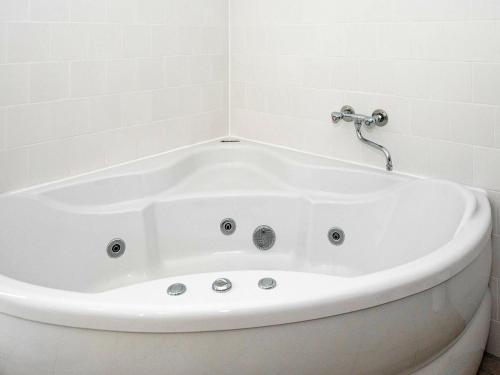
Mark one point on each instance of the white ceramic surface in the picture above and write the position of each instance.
(408, 279)
(92, 83)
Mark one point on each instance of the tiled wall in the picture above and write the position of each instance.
(434, 65)
(89, 83)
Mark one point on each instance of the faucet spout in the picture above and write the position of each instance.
(379, 118)
(388, 158)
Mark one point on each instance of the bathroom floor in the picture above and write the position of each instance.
(490, 365)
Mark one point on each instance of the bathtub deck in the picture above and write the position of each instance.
(490, 365)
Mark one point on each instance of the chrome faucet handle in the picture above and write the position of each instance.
(381, 117)
(345, 114)
(337, 117)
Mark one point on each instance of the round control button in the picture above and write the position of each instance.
(267, 283)
(176, 289)
(221, 285)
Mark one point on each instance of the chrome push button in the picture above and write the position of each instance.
(176, 289)
(267, 283)
(222, 285)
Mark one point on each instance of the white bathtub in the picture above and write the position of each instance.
(406, 292)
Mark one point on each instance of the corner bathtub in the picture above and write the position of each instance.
(406, 292)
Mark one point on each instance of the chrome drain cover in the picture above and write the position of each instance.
(176, 289)
(222, 285)
(267, 283)
(264, 237)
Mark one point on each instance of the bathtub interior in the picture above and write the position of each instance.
(169, 216)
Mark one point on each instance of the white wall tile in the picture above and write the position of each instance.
(49, 81)
(176, 69)
(28, 42)
(345, 74)
(121, 11)
(200, 69)
(121, 75)
(165, 40)
(14, 167)
(156, 11)
(438, 10)
(484, 10)
(121, 145)
(149, 74)
(318, 73)
(176, 131)
(190, 100)
(486, 162)
(88, 78)
(471, 123)
(486, 80)
(451, 81)
(69, 41)
(105, 112)
(137, 41)
(427, 120)
(70, 117)
(86, 153)
(136, 108)
(220, 68)
(451, 161)
(2, 129)
(496, 129)
(152, 140)
(406, 78)
(105, 41)
(3, 43)
(14, 83)
(393, 40)
(88, 10)
(333, 40)
(165, 104)
(214, 40)
(360, 41)
(445, 41)
(48, 161)
(49, 10)
(28, 124)
(212, 97)
(14, 10)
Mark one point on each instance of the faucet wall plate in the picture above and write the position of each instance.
(347, 110)
(384, 117)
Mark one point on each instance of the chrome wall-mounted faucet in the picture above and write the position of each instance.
(379, 117)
